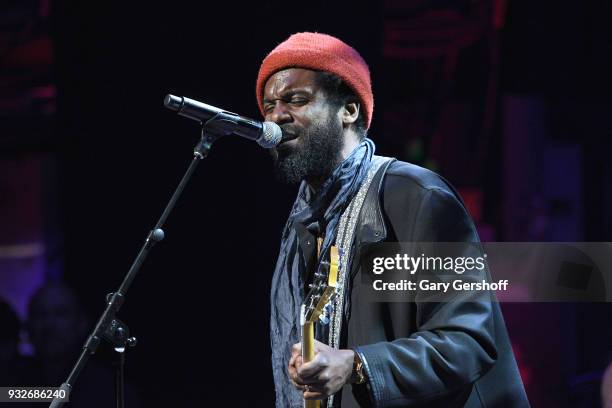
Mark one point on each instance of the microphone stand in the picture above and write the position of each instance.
(108, 326)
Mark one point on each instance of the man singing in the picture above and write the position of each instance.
(370, 354)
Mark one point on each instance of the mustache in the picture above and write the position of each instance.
(290, 132)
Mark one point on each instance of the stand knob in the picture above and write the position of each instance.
(157, 234)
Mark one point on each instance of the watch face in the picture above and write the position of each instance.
(359, 377)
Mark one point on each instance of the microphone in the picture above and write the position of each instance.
(266, 134)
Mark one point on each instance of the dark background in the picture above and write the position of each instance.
(509, 100)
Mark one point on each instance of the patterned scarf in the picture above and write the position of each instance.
(317, 213)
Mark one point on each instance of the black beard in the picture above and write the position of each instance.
(315, 156)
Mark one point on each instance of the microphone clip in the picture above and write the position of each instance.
(210, 134)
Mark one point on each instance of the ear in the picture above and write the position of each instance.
(350, 113)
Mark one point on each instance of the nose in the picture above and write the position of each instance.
(280, 114)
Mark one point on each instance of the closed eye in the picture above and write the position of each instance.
(293, 98)
(299, 101)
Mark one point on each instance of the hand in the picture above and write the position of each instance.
(325, 374)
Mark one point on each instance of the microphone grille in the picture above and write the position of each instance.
(271, 135)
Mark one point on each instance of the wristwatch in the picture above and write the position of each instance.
(357, 377)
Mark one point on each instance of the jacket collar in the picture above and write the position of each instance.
(371, 222)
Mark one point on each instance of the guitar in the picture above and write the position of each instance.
(322, 289)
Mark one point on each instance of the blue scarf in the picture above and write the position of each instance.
(321, 212)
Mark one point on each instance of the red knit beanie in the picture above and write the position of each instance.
(320, 52)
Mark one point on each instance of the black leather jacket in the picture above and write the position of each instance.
(451, 354)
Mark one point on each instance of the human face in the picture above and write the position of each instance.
(312, 126)
(55, 322)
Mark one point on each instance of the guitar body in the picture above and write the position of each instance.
(322, 290)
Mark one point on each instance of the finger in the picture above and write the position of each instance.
(313, 367)
(294, 364)
(298, 381)
(296, 349)
(316, 387)
(301, 387)
(293, 359)
(292, 370)
(318, 379)
(314, 395)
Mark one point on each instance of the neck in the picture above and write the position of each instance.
(351, 141)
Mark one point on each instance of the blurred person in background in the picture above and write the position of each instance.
(10, 361)
(57, 326)
(606, 388)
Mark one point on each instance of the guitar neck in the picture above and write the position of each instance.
(308, 353)
(322, 289)
(308, 342)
